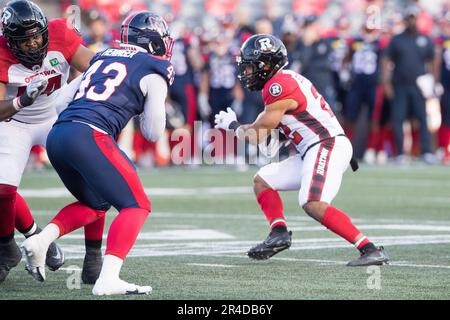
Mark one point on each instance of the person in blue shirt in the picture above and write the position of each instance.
(119, 84)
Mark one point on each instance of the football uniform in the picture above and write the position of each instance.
(113, 90)
(324, 152)
(444, 43)
(365, 75)
(222, 80)
(183, 90)
(30, 126)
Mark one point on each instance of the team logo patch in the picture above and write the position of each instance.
(54, 62)
(275, 90)
(6, 15)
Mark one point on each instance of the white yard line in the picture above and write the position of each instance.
(212, 265)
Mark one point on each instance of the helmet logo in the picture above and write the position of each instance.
(6, 16)
(275, 90)
(265, 44)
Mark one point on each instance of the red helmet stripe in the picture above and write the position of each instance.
(126, 25)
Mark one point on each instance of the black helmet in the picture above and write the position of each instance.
(266, 55)
(22, 20)
(148, 31)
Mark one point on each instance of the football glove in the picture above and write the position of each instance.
(33, 90)
(226, 120)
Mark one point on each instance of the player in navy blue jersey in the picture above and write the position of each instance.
(365, 56)
(119, 84)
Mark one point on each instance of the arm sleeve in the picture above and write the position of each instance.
(66, 94)
(153, 119)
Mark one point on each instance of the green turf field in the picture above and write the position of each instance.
(193, 244)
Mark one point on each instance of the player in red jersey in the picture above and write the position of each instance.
(35, 58)
(293, 105)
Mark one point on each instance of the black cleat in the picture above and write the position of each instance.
(275, 243)
(92, 265)
(10, 256)
(370, 257)
(55, 257)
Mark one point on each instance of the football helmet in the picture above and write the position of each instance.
(148, 31)
(22, 20)
(259, 59)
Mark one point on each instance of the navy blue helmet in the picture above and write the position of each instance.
(149, 31)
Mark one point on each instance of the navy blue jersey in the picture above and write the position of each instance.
(110, 94)
(444, 42)
(184, 72)
(365, 61)
(222, 70)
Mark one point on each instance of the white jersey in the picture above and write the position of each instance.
(312, 121)
(63, 42)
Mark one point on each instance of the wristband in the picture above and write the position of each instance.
(234, 125)
(16, 104)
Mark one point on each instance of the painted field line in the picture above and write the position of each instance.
(212, 265)
(189, 192)
(342, 262)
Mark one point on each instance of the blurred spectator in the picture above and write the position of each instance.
(443, 73)
(99, 37)
(411, 54)
(219, 88)
(314, 56)
(365, 57)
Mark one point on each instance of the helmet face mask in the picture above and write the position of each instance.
(148, 31)
(260, 58)
(23, 21)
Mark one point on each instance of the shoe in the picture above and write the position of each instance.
(430, 159)
(370, 257)
(382, 158)
(34, 252)
(402, 160)
(55, 257)
(92, 265)
(275, 243)
(107, 287)
(10, 257)
(370, 156)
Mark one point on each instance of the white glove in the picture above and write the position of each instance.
(203, 106)
(224, 119)
(33, 91)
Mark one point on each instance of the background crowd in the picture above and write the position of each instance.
(383, 66)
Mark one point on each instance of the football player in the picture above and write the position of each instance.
(35, 57)
(119, 84)
(293, 105)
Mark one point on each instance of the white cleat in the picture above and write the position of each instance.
(107, 287)
(35, 252)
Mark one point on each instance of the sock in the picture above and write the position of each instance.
(75, 216)
(373, 139)
(340, 223)
(24, 220)
(111, 267)
(34, 229)
(7, 210)
(93, 234)
(124, 231)
(270, 202)
(49, 234)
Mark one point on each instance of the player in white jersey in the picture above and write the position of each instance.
(35, 58)
(293, 105)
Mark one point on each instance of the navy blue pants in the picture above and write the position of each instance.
(406, 97)
(94, 169)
